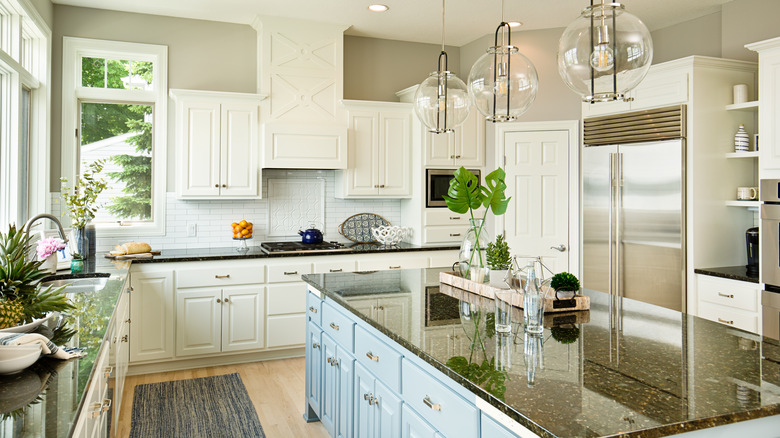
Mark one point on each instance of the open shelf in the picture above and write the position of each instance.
(747, 106)
(753, 204)
(748, 154)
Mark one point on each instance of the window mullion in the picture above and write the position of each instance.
(115, 95)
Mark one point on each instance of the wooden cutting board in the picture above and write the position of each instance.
(140, 255)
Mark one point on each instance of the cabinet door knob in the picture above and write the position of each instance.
(329, 360)
(224, 185)
(372, 357)
(216, 185)
(315, 345)
(130, 289)
(726, 322)
(376, 186)
(128, 320)
(457, 156)
(125, 338)
(452, 156)
(312, 310)
(430, 404)
(227, 300)
(219, 301)
(721, 294)
(373, 400)
(382, 186)
(334, 326)
(222, 276)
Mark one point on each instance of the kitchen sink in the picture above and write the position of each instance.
(78, 283)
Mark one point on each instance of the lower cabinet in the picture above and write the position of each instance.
(729, 302)
(314, 369)
(415, 427)
(152, 307)
(337, 381)
(211, 320)
(377, 411)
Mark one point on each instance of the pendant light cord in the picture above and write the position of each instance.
(442, 25)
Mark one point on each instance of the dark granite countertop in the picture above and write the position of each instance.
(731, 272)
(229, 253)
(44, 399)
(624, 368)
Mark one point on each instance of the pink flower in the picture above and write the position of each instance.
(49, 246)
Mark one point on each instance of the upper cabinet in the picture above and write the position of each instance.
(380, 145)
(301, 69)
(217, 145)
(768, 106)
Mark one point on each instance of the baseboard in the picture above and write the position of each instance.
(210, 361)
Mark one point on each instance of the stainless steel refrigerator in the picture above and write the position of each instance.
(633, 206)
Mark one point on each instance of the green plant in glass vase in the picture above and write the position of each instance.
(82, 202)
(466, 195)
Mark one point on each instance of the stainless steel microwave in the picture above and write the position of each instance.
(437, 183)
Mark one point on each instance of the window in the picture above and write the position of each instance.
(114, 99)
(24, 124)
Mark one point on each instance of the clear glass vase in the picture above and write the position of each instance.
(472, 259)
(79, 243)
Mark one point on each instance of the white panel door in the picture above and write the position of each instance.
(198, 321)
(151, 310)
(469, 148)
(537, 168)
(363, 136)
(239, 162)
(243, 317)
(200, 149)
(395, 151)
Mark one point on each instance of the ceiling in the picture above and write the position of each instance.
(410, 20)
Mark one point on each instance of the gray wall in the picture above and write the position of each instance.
(202, 55)
(374, 69)
(696, 37)
(46, 9)
(748, 21)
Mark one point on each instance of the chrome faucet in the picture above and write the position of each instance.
(29, 223)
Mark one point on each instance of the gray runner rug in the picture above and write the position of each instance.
(216, 406)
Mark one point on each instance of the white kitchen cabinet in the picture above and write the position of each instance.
(379, 151)
(393, 261)
(213, 320)
(463, 147)
(730, 302)
(152, 308)
(768, 106)
(217, 145)
(286, 312)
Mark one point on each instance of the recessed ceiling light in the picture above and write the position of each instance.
(514, 24)
(378, 8)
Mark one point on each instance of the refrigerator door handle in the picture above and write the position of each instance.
(611, 202)
(618, 208)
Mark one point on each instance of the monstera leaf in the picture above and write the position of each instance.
(466, 193)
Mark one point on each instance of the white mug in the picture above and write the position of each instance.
(747, 193)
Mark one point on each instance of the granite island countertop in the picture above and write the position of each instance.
(624, 368)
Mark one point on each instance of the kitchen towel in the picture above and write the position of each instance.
(47, 347)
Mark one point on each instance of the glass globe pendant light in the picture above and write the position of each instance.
(441, 101)
(605, 53)
(503, 83)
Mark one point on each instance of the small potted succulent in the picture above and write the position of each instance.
(498, 261)
(565, 284)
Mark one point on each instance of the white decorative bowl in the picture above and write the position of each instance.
(390, 234)
(14, 358)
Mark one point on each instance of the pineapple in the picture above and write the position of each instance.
(11, 313)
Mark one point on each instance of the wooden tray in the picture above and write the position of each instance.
(140, 255)
(579, 302)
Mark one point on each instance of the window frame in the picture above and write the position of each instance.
(73, 94)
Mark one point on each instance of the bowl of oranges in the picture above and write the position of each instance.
(242, 231)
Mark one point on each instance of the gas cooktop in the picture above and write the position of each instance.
(300, 247)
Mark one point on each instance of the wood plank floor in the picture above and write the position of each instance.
(276, 388)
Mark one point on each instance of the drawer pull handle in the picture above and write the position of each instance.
(222, 276)
(315, 345)
(454, 218)
(329, 360)
(394, 267)
(219, 301)
(95, 409)
(106, 405)
(334, 326)
(454, 234)
(726, 322)
(372, 357)
(721, 294)
(291, 273)
(368, 396)
(430, 404)
(107, 372)
(373, 400)
(336, 270)
(312, 310)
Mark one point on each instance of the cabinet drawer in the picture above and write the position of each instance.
(288, 272)
(403, 262)
(443, 216)
(338, 326)
(223, 276)
(314, 308)
(379, 358)
(329, 267)
(731, 293)
(286, 330)
(437, 404)
(286, 298)
(452, 233)
(729, 316)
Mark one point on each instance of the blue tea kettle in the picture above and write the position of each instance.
(312, 235)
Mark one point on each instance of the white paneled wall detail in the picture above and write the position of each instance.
(213, 218)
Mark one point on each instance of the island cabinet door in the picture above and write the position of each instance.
(345, 364)
(490, 428)
(243, 317)
(330, 376)
(198, 321)
(364, 400)
(412, 426)
(314, 367)
(387, 412)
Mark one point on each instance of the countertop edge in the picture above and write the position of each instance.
(728, 272)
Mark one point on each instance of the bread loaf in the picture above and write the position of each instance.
(131, 248)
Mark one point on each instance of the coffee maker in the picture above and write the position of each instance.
(751, 241)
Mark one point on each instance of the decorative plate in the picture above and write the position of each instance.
(357, 228)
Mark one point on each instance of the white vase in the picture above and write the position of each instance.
(49, 264)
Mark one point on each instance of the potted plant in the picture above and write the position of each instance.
(498, 260)
(82, 204)
(21, 297)
(565, 284)
(466, 195)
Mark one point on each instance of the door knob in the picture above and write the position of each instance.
(560, 248)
